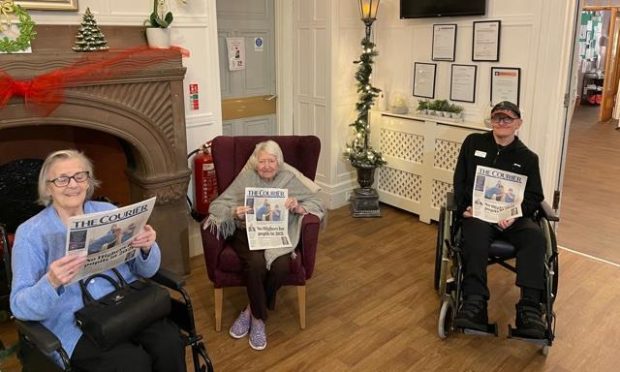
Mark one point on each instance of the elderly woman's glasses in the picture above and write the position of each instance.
(63, 181)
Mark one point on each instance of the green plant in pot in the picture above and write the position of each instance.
(157, 31)
(423, 106)
(160, 18)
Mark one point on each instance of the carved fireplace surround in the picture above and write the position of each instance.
(143, 108)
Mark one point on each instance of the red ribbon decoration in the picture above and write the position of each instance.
(46, 92)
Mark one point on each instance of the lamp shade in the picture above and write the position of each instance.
(368, 10)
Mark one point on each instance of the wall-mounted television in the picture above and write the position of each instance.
(441, 8)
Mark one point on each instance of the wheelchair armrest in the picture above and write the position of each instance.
(168, 279)
(40, 336)
(450, 203)
(547, 212)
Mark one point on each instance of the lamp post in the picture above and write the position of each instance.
(365, 200)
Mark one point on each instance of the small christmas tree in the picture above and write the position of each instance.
(89, 37)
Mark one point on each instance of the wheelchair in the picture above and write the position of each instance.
(449, 272)
(37, 344)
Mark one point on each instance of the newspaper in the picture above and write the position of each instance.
(266, 221)
(105, 237)
(497, 194)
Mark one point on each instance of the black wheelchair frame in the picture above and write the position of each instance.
(37, 344)
(449, 272)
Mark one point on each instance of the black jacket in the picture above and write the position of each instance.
(481, 149)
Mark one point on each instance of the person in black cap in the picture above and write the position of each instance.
(501, 149)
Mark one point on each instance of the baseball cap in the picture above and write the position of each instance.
(507, 106)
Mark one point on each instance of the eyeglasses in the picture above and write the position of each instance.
(63, 181)
(505, 120)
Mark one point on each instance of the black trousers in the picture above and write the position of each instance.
(261, 284)
(158, 347)
(524, 234)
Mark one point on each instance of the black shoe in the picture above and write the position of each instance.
(530, 321)
(472, 315)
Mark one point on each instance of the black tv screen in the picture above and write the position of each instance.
(441, 8)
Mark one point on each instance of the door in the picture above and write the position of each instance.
(246, 40)
(610, 84)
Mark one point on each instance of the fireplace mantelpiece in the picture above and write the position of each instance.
(143, 107)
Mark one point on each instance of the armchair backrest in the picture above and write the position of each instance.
(231, 153)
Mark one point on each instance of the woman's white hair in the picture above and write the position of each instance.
(45, 198)
(270, 147)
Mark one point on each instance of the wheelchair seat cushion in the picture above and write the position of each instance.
(501, 249)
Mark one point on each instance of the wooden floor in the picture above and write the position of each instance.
(371, 307)
(590, 206)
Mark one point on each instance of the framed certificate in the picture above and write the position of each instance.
(505, 84)
(485, 44)
(424, 79)
(463, 83)
(444, 42)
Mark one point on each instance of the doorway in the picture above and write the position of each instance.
(590, 192)
(599, 62)
(247, 54)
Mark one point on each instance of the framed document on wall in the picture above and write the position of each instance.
(505, 84)
(463, 83)
(485, 43)
(444, 42)
(48, 4)
(424, 79)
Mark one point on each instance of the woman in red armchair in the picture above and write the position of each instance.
(266, 269)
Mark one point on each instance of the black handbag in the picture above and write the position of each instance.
(119, 315)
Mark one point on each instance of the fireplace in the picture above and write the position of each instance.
(139, 114)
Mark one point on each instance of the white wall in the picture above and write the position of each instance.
(535, 36)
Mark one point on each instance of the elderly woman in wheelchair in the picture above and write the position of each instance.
(42, 275)
(472, 243)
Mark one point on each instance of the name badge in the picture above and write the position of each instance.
(480, 154)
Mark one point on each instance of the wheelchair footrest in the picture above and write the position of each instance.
(514, 333)
(483, 330)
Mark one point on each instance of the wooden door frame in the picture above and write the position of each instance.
(284, 36)
(613, 34)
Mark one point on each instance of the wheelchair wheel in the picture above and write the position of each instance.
(439, 246)
(444, 324)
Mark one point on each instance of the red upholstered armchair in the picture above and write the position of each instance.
(223, 265)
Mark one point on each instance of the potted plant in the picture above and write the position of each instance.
(433, 107)
(157, 31)
(423, 106)
(456, 111)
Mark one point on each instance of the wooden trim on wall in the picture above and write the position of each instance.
(238, 108)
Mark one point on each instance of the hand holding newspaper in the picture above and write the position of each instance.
(497, 194)
(267, 219)
(105, 237)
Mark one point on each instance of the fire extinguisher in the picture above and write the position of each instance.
(205, 182)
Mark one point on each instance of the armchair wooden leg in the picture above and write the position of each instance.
(301, 301)
(218, 294)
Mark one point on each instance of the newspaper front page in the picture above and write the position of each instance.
(497, 194)
(267, 220)
(105, 237)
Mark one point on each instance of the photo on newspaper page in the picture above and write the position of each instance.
(267, 220)
(497, 194)
(105, 237)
